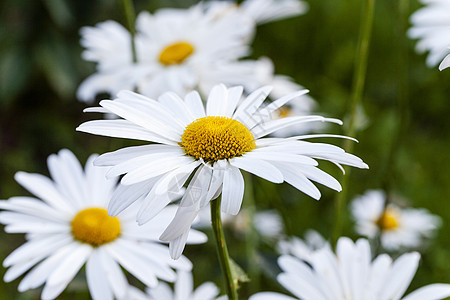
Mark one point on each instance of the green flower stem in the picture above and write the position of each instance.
(222, 251)
(130, 17)
(357, 94)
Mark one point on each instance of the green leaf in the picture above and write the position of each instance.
(237, 272)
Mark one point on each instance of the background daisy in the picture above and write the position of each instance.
(398, 227)
(68, 227)
(430, 24)
(180, 50)
(351, 274)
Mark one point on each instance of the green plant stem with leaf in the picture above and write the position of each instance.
(222, 250)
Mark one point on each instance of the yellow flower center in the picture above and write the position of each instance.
(176, 53)
(284, 112)
(94, 226)
(388, 220)
(216, 138)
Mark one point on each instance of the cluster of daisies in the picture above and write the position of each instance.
(204, 113)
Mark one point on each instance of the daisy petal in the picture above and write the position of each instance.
(430, 292)
(232, 191)
(97, 282)
(258, 167)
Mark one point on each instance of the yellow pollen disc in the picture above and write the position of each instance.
(388, 220)
(216, 138)
(175, 53)
(94, 226)
(284, 112)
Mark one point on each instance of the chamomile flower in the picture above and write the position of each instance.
(180, 50)
(351, 274)
(214, 144)
(68, 227)
(400, 227)
(431, 25)
(183, 290)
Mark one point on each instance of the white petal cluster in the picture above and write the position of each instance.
(51, 254)
(351, 274)
(431, 26)
(158, 171)
(412, 225)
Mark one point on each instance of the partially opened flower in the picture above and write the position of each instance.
(398, 227)
(351, 274)
(213, 144)
(183, 290)
(431, 25)
(68, 227)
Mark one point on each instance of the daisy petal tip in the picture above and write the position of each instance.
(141, 222)
(112, 212)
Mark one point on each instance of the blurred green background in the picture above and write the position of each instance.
(41, 68)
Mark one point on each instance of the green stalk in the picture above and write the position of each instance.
(222, 251)
(357, 94)
(130, 17)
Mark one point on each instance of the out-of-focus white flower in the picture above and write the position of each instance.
(214, 144)
(431, 25)
(302, 249)
(351, 274)
(400, 227)
(179, 50)
(268, 224)
(183, 290)
(69, 227)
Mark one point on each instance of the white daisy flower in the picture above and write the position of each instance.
(431, 25)
(400, 227)
(351, 274)
(183, 290)
(214, 144)
(68, 227)
(180, 50)
(175, 49)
